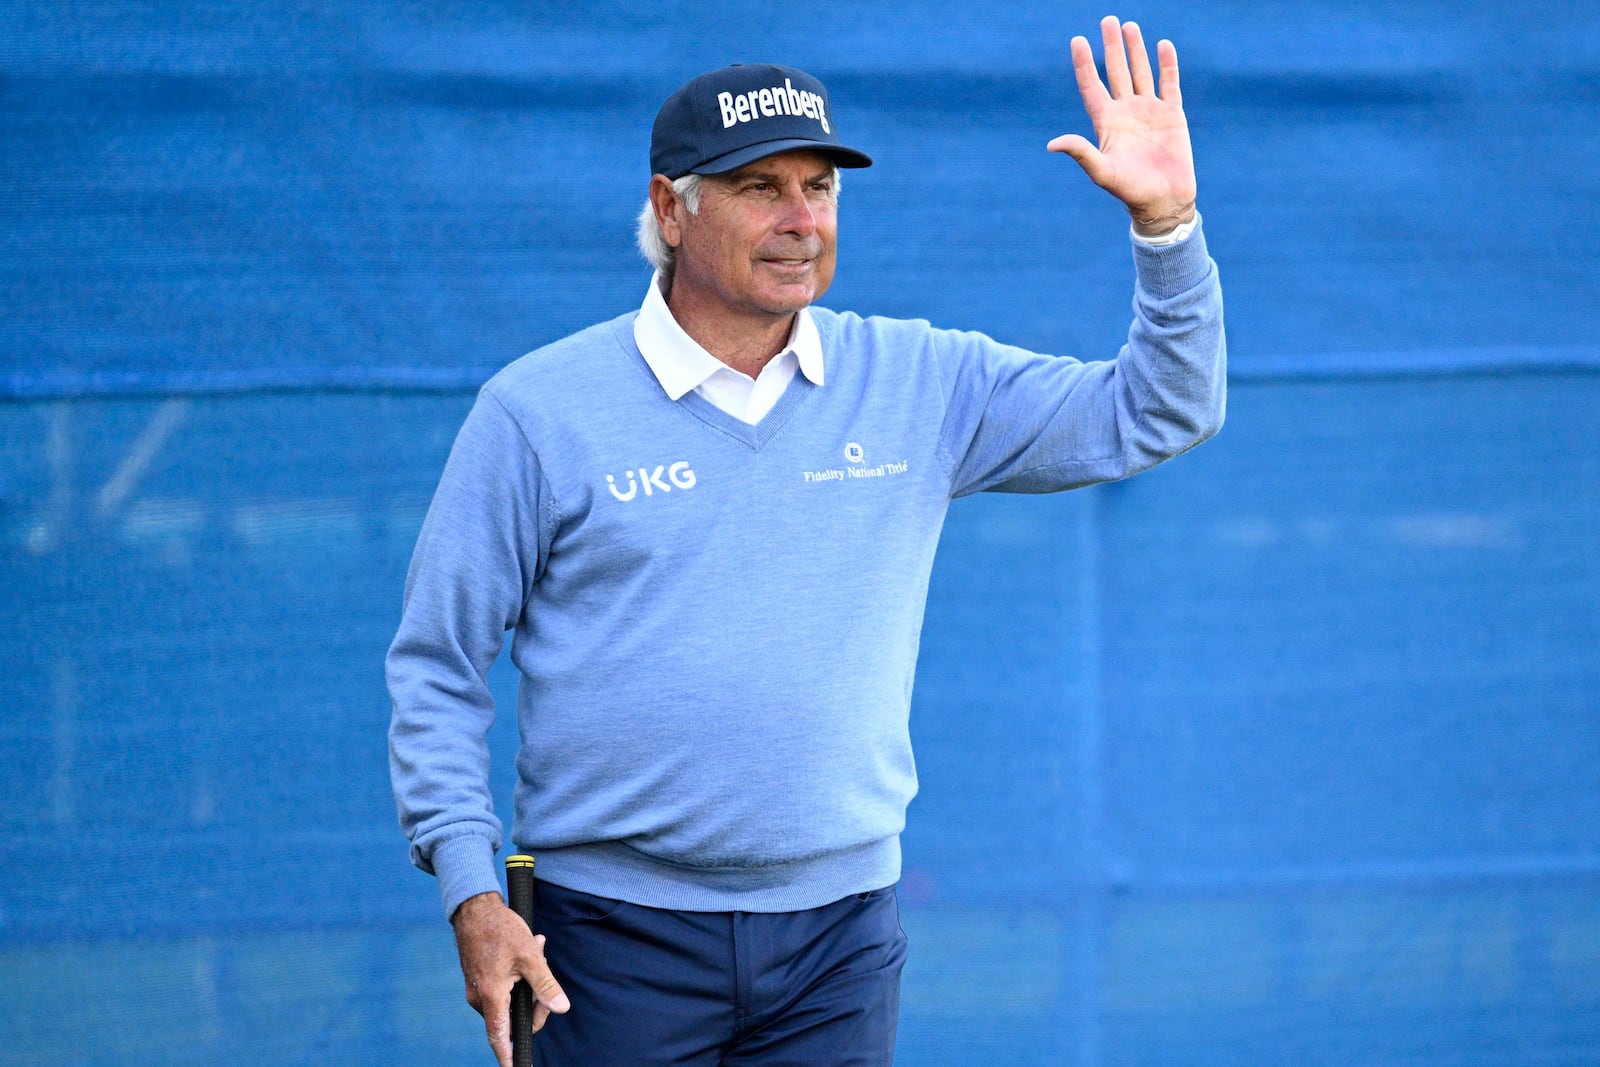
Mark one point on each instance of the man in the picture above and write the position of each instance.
(711, 524)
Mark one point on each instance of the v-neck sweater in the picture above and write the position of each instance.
(716, 623)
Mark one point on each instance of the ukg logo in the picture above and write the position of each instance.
(663, 479)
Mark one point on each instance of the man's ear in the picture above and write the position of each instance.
(667, 206)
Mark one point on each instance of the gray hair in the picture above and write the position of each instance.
(653, 246)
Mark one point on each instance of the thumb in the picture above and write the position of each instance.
(544, 985)
(1082, 150)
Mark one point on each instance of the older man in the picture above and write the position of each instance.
(710, 525)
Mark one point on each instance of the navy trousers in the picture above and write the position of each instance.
(818, 988)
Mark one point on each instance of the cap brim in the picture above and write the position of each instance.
(844, 157)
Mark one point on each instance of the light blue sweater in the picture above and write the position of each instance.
(716, 624)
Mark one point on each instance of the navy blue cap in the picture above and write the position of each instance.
(726, 118)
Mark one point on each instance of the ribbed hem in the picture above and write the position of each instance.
(1167, 270)
(465, 867)
(611, 869)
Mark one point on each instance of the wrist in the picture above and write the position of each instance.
(473, 906)
(1159, 224)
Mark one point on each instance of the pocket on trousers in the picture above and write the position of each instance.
(560, 906)
(881, 909)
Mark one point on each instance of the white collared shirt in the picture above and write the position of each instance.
(682, 366)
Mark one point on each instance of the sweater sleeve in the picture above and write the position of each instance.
(476, 559)
(1017, 421)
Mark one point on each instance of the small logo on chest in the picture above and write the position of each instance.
(662, 479)
(859, 467)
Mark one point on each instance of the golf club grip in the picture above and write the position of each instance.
(519, 894)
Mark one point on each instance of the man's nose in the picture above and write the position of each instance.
(797, 215)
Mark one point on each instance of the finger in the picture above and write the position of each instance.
(1167, 56)
(1071, 144)
(498, 1026)
(1082, 152)
(1089, 85)
(546, 990)
(1117, 77)
(540, 1014)
(1144, 81)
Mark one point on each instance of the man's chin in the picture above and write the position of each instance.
(786, 299)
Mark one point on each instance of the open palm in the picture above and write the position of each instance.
(1144, 158)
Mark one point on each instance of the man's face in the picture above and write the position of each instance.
(762, 244)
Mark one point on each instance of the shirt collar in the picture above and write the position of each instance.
(681, 365)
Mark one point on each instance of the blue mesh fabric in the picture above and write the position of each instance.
(1285, 752)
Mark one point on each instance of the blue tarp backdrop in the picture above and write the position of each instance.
(1286, 752)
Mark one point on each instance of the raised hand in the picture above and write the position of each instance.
(1144, 158)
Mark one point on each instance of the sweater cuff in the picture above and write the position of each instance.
(1165, 271)
(464, 866)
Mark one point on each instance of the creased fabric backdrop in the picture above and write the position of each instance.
(1288, 752)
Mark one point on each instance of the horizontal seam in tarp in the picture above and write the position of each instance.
(67, 385)
(1422, 363)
